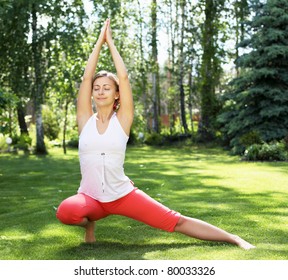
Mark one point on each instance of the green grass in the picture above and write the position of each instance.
(246, 198)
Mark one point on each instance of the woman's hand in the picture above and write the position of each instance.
(102, 36)
(109, 38)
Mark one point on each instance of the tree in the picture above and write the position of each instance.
(180, 18)
(155, 68)
(67, 58)
(14, 58)
(181, 65)
(28, 63)
(258, 99)
(38, 89)
(241, 11)
(65, 23)
(141, 82)
(172, 27)
(210, 70)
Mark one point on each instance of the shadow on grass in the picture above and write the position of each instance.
(113, 250)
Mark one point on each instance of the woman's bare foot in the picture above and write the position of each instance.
(89, 236)
(243, 244)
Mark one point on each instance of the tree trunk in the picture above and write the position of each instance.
(65, 125)
(143, 72)
(170, 64)
(155, 69)
(21, 119)
(181, 65)
(207, 91)
(241, 11)
(190, 99)
(38, 85)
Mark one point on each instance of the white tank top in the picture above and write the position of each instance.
(102, 161)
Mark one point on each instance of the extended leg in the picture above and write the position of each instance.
(204, 231)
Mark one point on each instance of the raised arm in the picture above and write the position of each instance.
(84, 102)
(125, 113)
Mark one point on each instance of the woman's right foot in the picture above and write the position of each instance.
(89, 236)
(89, 239)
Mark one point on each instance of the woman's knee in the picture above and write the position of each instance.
(68, 213)
(182, 220)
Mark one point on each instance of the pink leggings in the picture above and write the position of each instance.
(136, 205)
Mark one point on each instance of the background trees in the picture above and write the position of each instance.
(257, 102)
(210, 70)
(177, 53)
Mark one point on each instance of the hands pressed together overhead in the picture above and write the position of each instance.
(106, 33)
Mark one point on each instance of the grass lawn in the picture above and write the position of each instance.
(246, 198)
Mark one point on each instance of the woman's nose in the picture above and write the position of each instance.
(101, 91)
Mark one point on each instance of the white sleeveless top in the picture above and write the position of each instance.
(101, 161)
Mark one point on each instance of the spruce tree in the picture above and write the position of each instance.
(257, 102)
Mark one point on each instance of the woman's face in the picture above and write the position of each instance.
(104, 92)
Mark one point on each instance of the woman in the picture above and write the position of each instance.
(105, 189)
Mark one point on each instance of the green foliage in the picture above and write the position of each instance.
(22, 142)
(252, 152)
(3, 144)
(50, 123)
(72, 137)
(274, 151)
(258, 99)
(73, 142)
(250, 138)
(168, 139)
(8, 103)
(48, 64)
(64, 41)
(132, 138)
(210, 70)
(285, 142)
(154, 139)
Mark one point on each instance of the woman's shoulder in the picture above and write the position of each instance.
(123, 123)
(86, 123)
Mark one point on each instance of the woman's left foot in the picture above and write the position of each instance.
(243, 244)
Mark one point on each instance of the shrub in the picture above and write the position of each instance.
(273, 151)
(3, 144)
(177, 137)
(252, 152)
(285, 141)
(72, 138)
(132, 138)
(251, 138)
(22, 142)
(266, 152)
(73, 142)
(154, 139)
(50, 123)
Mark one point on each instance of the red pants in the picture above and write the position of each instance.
(136, 205)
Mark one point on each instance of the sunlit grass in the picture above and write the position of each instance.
(246, 198)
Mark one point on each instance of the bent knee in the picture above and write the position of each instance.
(67, 215)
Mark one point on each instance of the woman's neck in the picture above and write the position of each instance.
(104, 115)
